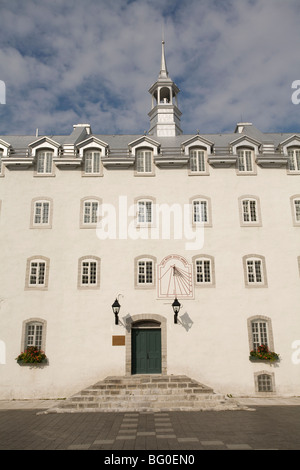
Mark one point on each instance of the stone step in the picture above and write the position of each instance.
(142, 391)
(138, 398)
(145, 393)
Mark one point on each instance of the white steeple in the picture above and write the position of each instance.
(163, 68)
(164, 115)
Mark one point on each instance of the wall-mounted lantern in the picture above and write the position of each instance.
(176, 307)
(116, 308)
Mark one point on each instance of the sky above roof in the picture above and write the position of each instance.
(66, 62)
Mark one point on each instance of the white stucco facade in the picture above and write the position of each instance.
(219, 300)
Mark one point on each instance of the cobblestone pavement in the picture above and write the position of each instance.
(263, 428)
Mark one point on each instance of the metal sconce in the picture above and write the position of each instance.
(176, 307)
(116, 308)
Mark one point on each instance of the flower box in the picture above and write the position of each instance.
(42, 363)
(262, 353)
(32, 356)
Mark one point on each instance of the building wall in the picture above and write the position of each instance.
(214, 349)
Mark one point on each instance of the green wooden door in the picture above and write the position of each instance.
(146, 351)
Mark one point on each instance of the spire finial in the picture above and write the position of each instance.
(163, 68)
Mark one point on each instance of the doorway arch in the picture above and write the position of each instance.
(143, 323)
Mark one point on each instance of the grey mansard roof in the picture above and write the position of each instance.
(118, 148)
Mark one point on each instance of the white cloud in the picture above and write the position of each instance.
(67, 61)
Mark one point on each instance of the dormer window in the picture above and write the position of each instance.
(44, 162)
(245, 161)
(197, 161)
(294, 160)
(144, 161)
(92, 160)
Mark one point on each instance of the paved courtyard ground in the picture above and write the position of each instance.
(263, 428)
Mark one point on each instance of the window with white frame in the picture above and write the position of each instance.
(245, 160)
(145, 272)
(41, 213)
(204, 271)
(144, 161)
(92, 162)
(89, 272)
(200, 211)
(37, 273)
(255, 271)
(296, 209)
(34, 334)
(260, 332)
(1, 164)
(90, 212)
(144, 212)
(249, 211)
(44, 162)
(294, 160)
(197, 161)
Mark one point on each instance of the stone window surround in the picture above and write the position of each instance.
(292, 143)
(41, 226)
(296, 223)
(146, 148)
(88, 286)
(258, 222)
(154, 262)
(212, 271)
(151, 224)
(206, 165)
(24, 327)
(36, 154)
(271, 375)
(81, 215)
(292, 148)
(163, 326)
(83, 153)
(268, 321)
(208, 206)
(27, 275)
(255, 285)
(254, 150)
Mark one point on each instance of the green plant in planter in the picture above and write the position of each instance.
(263, 353)
(32, 355)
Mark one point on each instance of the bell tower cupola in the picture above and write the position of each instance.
(164, 114)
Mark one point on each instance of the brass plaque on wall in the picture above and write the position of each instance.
(118, 340)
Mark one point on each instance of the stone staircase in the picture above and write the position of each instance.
(146, 393)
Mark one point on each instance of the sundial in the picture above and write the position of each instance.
(175, 278)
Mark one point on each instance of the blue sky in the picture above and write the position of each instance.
(92, 61)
